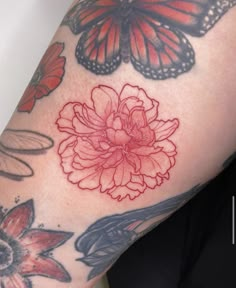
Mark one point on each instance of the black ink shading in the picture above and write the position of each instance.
(229, 160)
(106, 239)
(26, 251)
(149, 34)
(17, 199)
(25, 142)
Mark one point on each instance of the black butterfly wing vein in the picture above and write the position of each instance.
(156, 61)
(99, 48)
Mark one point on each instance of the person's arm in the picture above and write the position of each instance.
(128, 114)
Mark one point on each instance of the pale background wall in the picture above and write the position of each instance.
(26, 27)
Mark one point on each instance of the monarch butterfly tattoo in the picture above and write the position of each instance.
(20, 142)
(148, 33)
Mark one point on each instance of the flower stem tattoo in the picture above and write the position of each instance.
(46, 78)
(118, 145)
(24, 251)
(20, 142)
(149, 34)
(105, 240)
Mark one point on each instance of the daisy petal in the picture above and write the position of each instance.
(18, 219)
(46, 79)
(52, 53)
(27, 101)
(16, 280)
(44, 266)
(38, 241)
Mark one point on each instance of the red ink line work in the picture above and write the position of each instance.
(117, 145)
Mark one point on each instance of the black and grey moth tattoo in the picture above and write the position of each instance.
(20, 142)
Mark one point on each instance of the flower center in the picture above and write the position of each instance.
(10, 254)
(6, 255)
(37, 76)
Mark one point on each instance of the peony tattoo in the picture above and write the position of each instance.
(116, 145)
(24, 250)
(47, 77)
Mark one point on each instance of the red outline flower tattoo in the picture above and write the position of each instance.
(46, 78)
(24, 251)
(117, 145)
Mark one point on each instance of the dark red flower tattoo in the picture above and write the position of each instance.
(24, 251)
(46, 78)
(117, 145)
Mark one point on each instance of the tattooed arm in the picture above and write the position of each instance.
(127, 115)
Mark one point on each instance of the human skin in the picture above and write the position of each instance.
(198, 109)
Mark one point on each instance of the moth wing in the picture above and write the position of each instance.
(14, 168)
(25, 141)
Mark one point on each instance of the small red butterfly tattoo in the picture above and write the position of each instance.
(147, 33)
